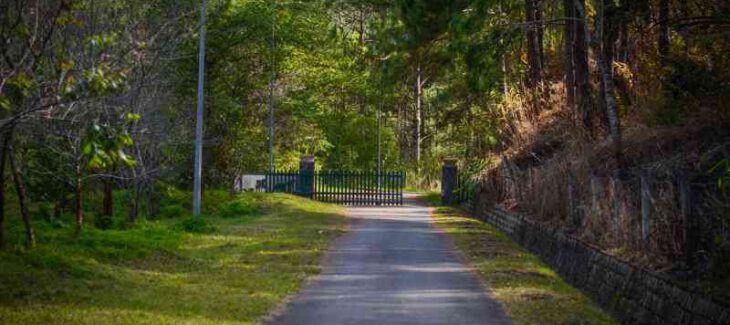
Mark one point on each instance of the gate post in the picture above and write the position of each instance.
(306, 176)
(449, 181)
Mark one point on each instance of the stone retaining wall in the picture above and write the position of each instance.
(633, 295)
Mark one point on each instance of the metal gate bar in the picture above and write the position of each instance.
(341, 187)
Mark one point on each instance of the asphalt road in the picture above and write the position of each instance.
(393, 267)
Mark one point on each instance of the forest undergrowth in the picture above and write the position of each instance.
(560, 174)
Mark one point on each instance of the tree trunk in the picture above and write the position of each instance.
(505, 67)
(540, 31)
(3, 157)
(608, 35)
(580, 44)
(614, 124)
(505, 75)
(610, 30)
(533, 41)
(133, 202)
(569, 48)
(108, 201)
(362, 29)
(58, 210)
(623, 47)
(663, 31)
(419, 111)
(686, 34)
(22, 199)
(79, 203)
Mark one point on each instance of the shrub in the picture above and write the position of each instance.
(172, 210)
(103, 222)
(194, 225)
(238, 208)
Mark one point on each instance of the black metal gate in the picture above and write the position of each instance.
(341, 187)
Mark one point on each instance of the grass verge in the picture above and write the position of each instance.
(530, 291)
(233, 269)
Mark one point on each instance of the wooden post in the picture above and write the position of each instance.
(596, 193)
(507, 179)
(530, 183)
(616, 189)
(646, 202)
(449, 180)
(685, 203)
(573, 213)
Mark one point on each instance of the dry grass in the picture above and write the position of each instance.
(546, 145)
(530, 292)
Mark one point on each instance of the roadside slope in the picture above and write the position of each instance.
(529, 291)
(242, 264)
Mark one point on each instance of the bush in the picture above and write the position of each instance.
(172, 210)
(214, 200)
(103, 222)
(44, 211)
(194, 225)
(238, 208)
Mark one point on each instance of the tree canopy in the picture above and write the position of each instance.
(97, 97)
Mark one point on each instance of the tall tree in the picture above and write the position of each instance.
(534, 30)
(22, 197)
(663, 31)
(606, 75)
(3, 157)
(578, 93)
(569, 49)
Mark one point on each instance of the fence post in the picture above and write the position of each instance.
(510, 183)
(573, 212)
(617, 191)
(685, 203)
(645, 207)
(596, 194)
(306, 176)
(449, 180)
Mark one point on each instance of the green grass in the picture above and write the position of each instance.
(417, 190)
(246, 259)
(530, 291)
(431, 198)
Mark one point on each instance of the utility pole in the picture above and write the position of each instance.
(380, 160)
(197, 172)
(379, 117)
(271, 91)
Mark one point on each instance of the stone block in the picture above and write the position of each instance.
(706, 308)
(672, 314)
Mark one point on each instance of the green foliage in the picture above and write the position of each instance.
(44, 211)
(354, 145)
(196, 225)
(104, 146)
(104, 222)
(240, 207)
(722, 171)
(172, 210)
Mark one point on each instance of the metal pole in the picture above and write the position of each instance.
(380, 160)
(271, 92)
(199, 118)
(380, 109)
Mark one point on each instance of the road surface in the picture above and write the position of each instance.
(393, 267)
